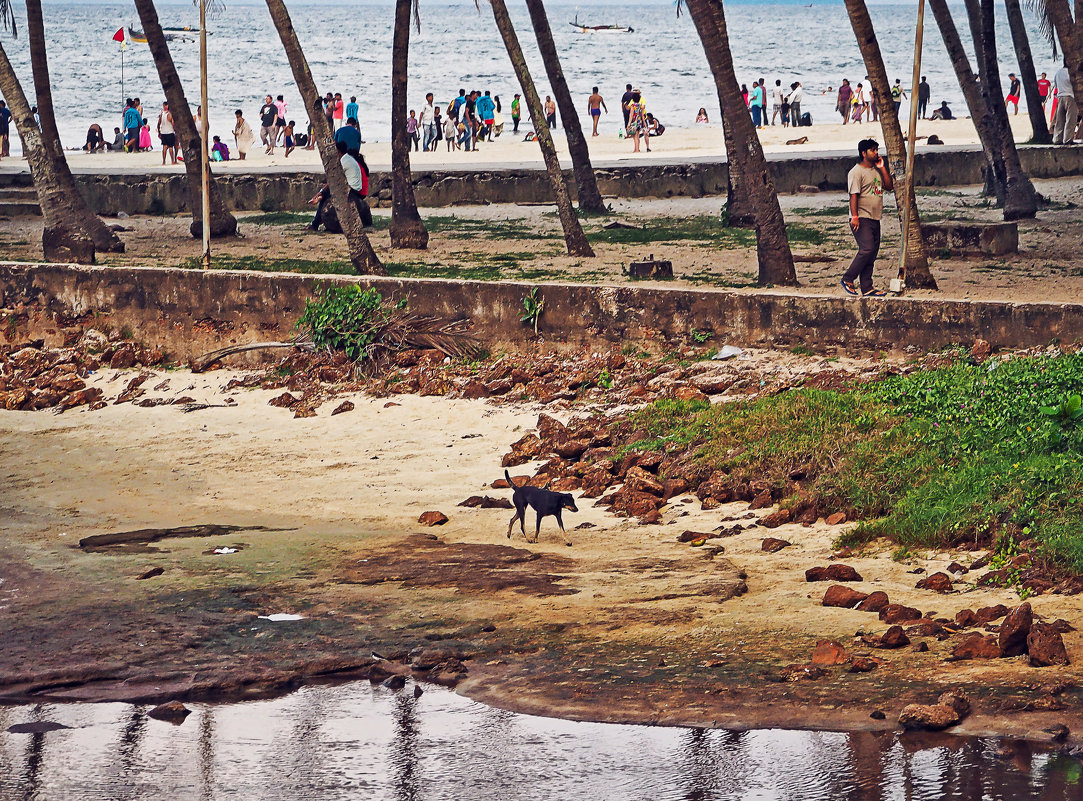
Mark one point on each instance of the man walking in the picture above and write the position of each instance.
(428, 124)
(865, 184)
(625, 99)
(1043, 89)
(898, 95)
(516, 114)
(595, 104)
(167, 133)
(923, 97)
(550, 112)
(1065, 120)
(268, 115)
(1014, 87)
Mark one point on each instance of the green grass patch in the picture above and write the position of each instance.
(261, 264)
(799, 234)
(834, 210)
(279, 218)
(706, 228)
(469, 228)
(968, 453)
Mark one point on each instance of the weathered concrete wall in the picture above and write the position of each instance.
(189, 312)
(167, 194)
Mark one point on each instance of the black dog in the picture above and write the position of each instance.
(544, 502)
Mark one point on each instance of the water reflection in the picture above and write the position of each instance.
(359, 741)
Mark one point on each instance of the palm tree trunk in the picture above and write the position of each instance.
(1070, 36)
(738, 199)
(772, 247)
(407, 229)
(1020, 200)
(64, 239)
(104, 237)
(361, 253)
(917, 262)
(995, 183)
(223, 223)
(574, 237)
(586, 185)
(1039, 127)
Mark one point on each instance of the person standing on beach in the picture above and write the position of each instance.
(550, 112)
(637, 121)
(763, 103)
(515, 114)
(797, 94)
(923, 97)
(427, 121)
(898, 95)
(268, 114)
(1064, 120)
(754, 104)
(242, 135)
(776, 103)
(625, 99)
(595, 104)
(5, 129)
(486, 111)
(1014, 87)
(280, 120)
(167, 134)
(858, 104)
(336, 111)
(132, 124)
(354, 110)
(842, 102)
(1043, 89)
(865, 184)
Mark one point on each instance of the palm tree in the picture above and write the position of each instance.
(1041, 134)
(772, 247)
(63, 238)
(104, 237)
(362, 255)
(1070, 35)
(407, 229)
(995, 182)
(917, 262)
(586, 185)
(1020, 200)
(223, 223)
(738, 205)
(574, 238)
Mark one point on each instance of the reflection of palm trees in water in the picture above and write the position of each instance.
(404, 757)
(206, 754)
(35, 754)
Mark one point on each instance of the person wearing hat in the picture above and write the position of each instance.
(637, 121)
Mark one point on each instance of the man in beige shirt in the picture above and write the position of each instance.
(865, 184)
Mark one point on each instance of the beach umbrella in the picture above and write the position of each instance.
(911, 138)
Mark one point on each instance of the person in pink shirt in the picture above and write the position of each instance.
(337, 111)
(280, 120)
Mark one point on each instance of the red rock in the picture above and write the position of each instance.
(957, 701)
(17, 399)
(672, 487)
(717, 486)
(863, 664)
(844, 597)
(688, 393)
(475, 390)
(828, 653)
(653, 516)
(90, 395)
(551, 428)
(980, 350)
(772, 545)
(897, 613)
(149, 574)
(283, 401)
(937, 582)
(172, 711)
(432, 519)
(933, 717)
(776, 519)
(1014, 630)
(762, 501)
(640, 480)
(977, 646)
(836, 519)
(835, 572)
(345, 406)
(123, 357)
(566, 484)
(692, 536)
(571, 448)
(709, 503)
(930, 628)
(501, 483)
(68, 383)
(894, 637)
(304, 410)
(1045, 646)
(957, 569)
(874, 603)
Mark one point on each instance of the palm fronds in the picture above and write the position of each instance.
(1045, 22)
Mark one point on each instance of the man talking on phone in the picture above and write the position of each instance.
(866, 183)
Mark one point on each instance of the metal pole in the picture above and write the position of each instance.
(205, 124)
(912, 136)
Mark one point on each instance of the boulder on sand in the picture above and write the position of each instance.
(843, 597)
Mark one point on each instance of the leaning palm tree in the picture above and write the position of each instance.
(1070, 35)
(104, 237)
(738, 201)
(772, 247)
(1027, 76)
(586, 185)
(63, 238)
(362, 255)
(917, 262)
(1020, 200)
(223, 223)
(407, 229)
(574, 238)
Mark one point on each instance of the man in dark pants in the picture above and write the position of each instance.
(866, 183)
(357, 178)
(923, 97)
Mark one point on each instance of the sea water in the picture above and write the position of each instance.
(348, 46)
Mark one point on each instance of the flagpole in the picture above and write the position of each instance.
(204, 134)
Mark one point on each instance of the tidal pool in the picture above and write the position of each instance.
(357, 741)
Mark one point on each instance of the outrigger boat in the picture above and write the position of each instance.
(185, 34)
(581, 28)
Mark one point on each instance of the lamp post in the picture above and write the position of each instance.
(204, 134)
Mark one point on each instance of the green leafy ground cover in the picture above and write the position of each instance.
(989, 452)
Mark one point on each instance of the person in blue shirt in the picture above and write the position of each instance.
(484, 109)
(350, 134)
(353, 110)
(132, 123)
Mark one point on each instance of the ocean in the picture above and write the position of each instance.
(349, 49)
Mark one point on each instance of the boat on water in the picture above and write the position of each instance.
(185, 34)
(581, 28)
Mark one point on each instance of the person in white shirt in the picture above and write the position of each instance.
(427, 121)
(776, 103)
(796, 96)
(1067, 111)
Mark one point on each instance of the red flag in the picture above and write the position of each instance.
(119, 35)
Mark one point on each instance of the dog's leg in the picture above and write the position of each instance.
(563, 533)
(512, 522)
(537, 527)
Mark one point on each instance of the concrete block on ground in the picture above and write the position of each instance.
(972, 239)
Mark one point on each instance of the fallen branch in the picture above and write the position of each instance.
(201, 363)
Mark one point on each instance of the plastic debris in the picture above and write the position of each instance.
(727, 352)
(224, 549)
(279, 617)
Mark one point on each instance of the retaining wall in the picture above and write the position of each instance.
(189, 312)
(158, 193)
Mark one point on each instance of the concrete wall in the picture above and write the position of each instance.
(167, 194)
(189, 312)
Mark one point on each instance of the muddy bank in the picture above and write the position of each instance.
(634, 623)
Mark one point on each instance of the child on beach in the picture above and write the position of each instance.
(144, 136)
(289, 138)
(450, 133)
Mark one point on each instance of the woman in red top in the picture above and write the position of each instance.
(337, 111)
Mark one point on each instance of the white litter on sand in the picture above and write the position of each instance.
(727, 352)
(278, 617)
(225, 550)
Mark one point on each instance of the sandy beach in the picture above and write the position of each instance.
(677, 144)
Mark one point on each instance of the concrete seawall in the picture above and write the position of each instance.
(159, 193)
(189, 312)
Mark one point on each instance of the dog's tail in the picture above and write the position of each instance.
(510, 482)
